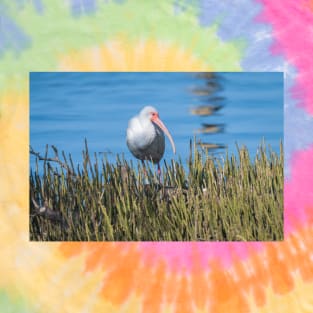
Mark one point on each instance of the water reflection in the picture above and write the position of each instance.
(211, 128)
(210, 146)
(212, 105)
(205, 110)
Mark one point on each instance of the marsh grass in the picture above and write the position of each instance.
(230, 199)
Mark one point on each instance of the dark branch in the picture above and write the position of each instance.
(49, 213)
(55, 159)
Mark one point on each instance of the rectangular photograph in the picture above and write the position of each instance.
(156, 156)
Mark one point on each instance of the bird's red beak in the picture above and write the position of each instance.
(155, 119)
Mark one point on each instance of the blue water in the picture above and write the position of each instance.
(65, 108)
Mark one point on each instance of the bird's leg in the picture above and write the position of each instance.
(145, 180)
(159, 173)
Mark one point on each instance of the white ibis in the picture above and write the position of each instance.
(145, 136)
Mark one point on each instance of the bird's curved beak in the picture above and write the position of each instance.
(156, 120)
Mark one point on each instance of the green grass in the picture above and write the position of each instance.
(230, 199)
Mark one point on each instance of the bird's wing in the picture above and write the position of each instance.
(138, 135)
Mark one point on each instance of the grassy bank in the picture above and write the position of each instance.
(230, 199)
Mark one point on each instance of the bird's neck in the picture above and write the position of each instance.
(151, 129)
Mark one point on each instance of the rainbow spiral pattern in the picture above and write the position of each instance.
(165, 35)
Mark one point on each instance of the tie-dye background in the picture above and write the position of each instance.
(165, 35)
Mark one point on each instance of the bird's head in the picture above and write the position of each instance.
(149, 112)
(152, 114)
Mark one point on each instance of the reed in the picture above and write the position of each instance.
(214, 199)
